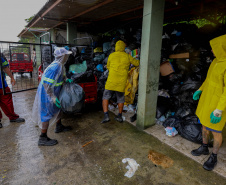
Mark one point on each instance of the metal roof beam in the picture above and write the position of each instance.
(92, 8)
(86, 11)
(50, 8)
(120, 13)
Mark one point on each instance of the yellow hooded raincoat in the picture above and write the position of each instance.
(214, 87)
(118, 66)
(131, 85)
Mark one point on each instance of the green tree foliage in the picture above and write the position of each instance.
(29, 19)
(23, 40)
(200, 22)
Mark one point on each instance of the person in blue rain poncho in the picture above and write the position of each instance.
(46, 108)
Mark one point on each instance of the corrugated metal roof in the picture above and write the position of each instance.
(55, 13)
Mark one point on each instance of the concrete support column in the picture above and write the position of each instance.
(53, 35)
(153, 15)
(71, 32)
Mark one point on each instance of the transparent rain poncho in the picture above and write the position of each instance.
(44, 108)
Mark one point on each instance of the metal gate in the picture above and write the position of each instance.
(27, 61)
(24, 60)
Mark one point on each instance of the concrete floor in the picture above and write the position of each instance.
(183, 145)
(100, 162)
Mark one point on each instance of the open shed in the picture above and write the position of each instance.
(104, 15)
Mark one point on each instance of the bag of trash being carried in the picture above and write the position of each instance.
(71, 98)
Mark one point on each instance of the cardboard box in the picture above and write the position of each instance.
(180, 55)
(166, 68)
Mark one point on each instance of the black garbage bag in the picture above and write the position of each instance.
(175, 78)
(190, 129)
(163, 106)
(185, 110)
(197, 77)
(83, 77)
(183, 47)
(174, 83)
(187, 97)
(175, 89)
(75, 76)
(133, 118)
(71, 98)
(174, 103)
(189, 84)
(172, 121)
(166, 48)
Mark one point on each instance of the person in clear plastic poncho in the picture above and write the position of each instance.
(46, 108)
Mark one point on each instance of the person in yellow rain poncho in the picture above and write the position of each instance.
(118, 65)
(211, 108)
(131, 85)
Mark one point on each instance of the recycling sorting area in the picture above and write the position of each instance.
(185, 59)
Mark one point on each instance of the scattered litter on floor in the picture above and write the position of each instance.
(124, 118)
(132, 167)
(87, 143)
(160, 159)
(171, 131)
(111, 107)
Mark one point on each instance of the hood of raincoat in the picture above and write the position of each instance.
(61, 55)
(219, 47)
(120, 46)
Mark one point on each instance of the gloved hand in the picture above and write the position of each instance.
(57, 102)
(69, 80)
(215, 116)
(196, 94)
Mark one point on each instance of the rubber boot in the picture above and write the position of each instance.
(45, 141)
(106, 118)
(210, 163)
(18, 120)
(202, 150)
(119, 118)
(133, 118)
(62, 128)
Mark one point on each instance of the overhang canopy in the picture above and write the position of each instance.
(32, 32)
(110, 13)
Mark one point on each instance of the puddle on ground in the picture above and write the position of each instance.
(160, 159)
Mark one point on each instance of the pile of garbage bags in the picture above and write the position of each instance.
(176, 107)
(188, 127)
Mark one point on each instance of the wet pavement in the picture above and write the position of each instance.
(24, 81)
(99, 162)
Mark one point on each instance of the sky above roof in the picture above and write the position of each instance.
(13, 14)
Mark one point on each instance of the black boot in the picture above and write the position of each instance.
(133, 118)
(106, 118)
(45, 141)
(18, 120)
(119, 118)
(211, 162)
(201, 150)
(0, 124)
(62, 128)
